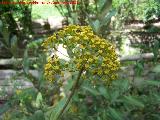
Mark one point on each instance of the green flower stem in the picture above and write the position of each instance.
(74, 88)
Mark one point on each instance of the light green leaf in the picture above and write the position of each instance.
(39, 99)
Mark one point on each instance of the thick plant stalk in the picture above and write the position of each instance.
(74, 88)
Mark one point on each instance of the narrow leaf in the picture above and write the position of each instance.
(133, 101)
(91, 90)
(114, 114)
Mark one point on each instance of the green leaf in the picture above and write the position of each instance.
(155, 116)
(101, 4)
(69, 85)
(114, 95)
(157, 97)
(133, 101)
(38, 115)
(91, 90)
(55, 111)
(5, 108)
(114, 114)
(39, 99)
(107, 19)
(139, 68)
(123, 85)
(152, 82)
(105, 8)
(95, 25)
(103, 91)
(74, 18)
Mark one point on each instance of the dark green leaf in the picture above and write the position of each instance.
(38, 115)
(96, 26)
(114, 114)
(153, 82)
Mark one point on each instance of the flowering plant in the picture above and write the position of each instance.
(87, 53)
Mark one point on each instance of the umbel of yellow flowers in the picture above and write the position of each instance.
(95, 55)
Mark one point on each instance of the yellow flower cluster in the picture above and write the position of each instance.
(52, 68)
(86, 50)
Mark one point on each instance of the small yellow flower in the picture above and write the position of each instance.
(100, 51)
(90, 60)
(78, 66)
(88, 53)
(93, 40)
(80, 60)
(56, 67)
(86, 66)
(77, 38)
(102, 46)
(95, 58)
(93, 46)
(97, 43)
(113, 76)
(106, 71)
(81, 46)
(99, 72)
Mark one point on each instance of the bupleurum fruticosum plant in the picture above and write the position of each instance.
(88, 53)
